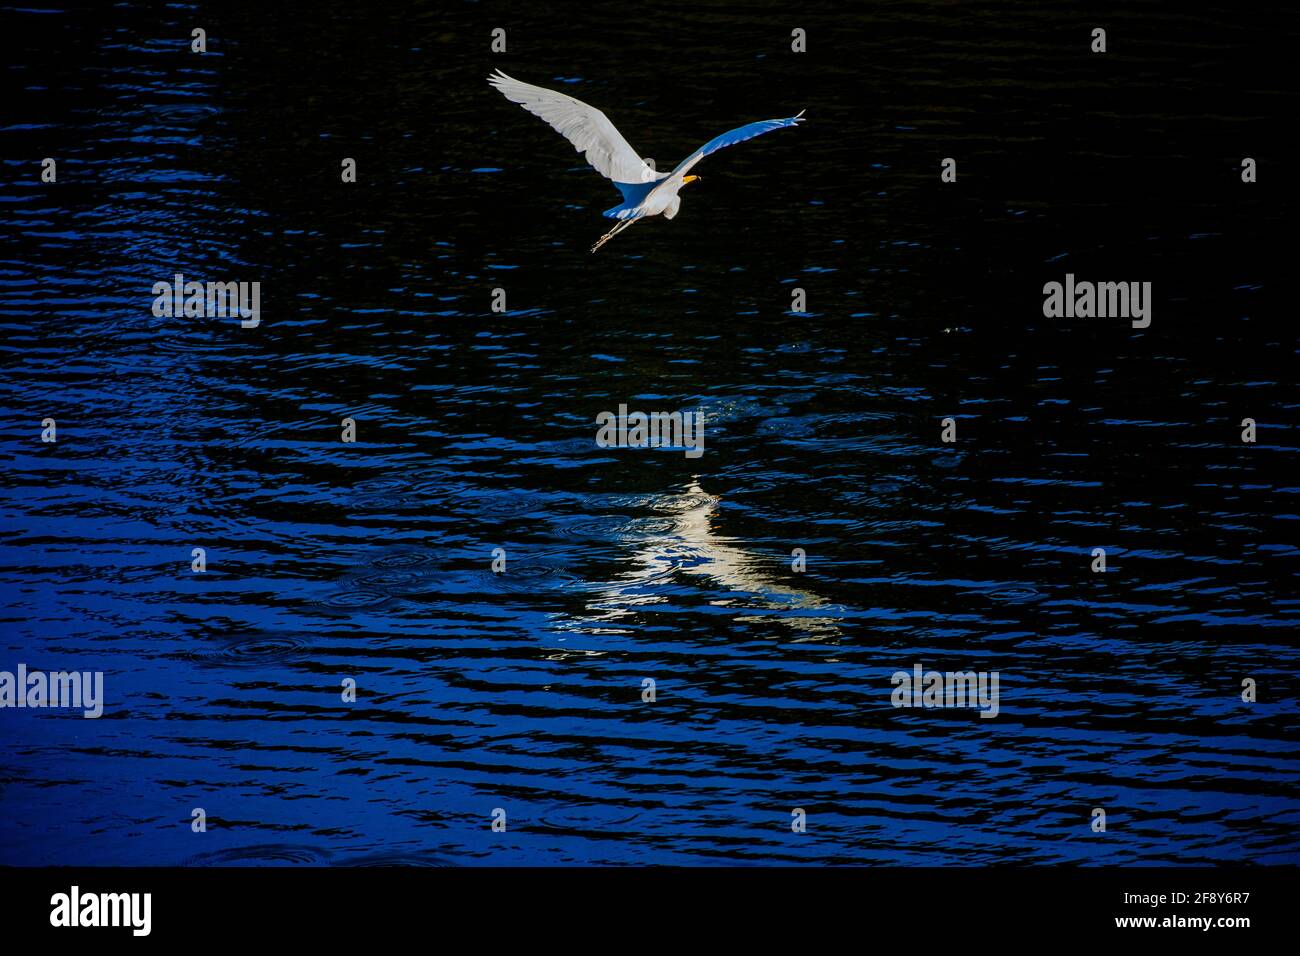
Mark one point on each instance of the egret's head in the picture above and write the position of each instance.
(687, 180)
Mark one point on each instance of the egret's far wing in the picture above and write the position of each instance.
(587, 128)
(731, 137)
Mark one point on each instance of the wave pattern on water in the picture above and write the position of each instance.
(372, 561)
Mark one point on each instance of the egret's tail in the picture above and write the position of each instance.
(614, 232)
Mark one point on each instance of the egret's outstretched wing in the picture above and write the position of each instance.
(587, 128)
(731, 137)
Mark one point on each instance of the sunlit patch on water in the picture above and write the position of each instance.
(796, 627)
(681, 504)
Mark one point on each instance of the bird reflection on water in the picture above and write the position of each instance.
(746, 579)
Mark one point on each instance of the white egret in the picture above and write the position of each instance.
(645, 192)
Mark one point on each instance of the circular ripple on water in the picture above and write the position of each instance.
(356, 598)
(624, 502)
(398, 571)
(194, 340)
(1015, 595)
(261, 854)
(399, 579)
(616, 527)
(587, 819)
(681, 504)
(532, 574)
(664, 504)
(717, 411)
(789, 427)
(251, 651)
(406, 558)
(182, 112)
(385, 492)
(497, 503)
(876, 493)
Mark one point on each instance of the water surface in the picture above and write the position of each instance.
(522, 690)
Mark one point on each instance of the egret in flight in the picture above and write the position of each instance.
(645, 192)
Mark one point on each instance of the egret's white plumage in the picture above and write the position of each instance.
(645, 192)
(587, 128)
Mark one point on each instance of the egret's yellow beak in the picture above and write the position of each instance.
(689, 179)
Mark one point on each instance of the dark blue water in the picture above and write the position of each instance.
(522, 690)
